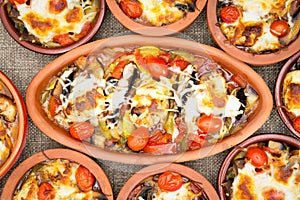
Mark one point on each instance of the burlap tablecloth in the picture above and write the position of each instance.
(21, 64)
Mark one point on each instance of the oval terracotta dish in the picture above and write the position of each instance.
(94, 168)
(152, 30)
(253, 59)
(19, 135)
(41, 80)
(279, 93)
(14, 33)
(253, 140)
(191, 174)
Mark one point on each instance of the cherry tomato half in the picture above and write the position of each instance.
(229, 14)
(170, 181)
(257, 156)
(157, 67)
(84, 178)
(54, 103)
(208, 123)
(46, 191)
(138, 138)
(132, 8)
(160, 138)
(279, 28)
(238, 79)
(81, 130)
(118, 70)
(296, 123)
(63, 39)
(179, 62)
(161, 149)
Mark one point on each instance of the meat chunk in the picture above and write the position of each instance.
(8, 109)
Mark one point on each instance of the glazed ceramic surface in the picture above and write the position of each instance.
(20, 136)
(250, 58)
(41, 80)
(14, 33)
(94, 168)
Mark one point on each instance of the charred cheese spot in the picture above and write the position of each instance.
(273, 194)
(283, 174)
(57, 6)
(246, 188)
(74, 15)
(39, 24)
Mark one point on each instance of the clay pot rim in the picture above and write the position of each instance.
(252, 140)
(13, 180)
(39, 82)
(278, 93)
(22, 123)
(13, 32)
(151, 170)
(250, 58)
(151, 30)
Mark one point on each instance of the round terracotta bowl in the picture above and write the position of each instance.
(95, 169)
(256, 139)
(19, 134)
(41, 80)
(250, 58)
(152, 30)
(193, 175)
(14, 33)
(279, 93)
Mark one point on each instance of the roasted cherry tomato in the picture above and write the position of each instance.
(85, 30)
(132, 8)
(46, 191)
(63, 39)
(18, 1)
(81, 130)
(179, 62)
(208, 123)
(160, 138)
(257, 156)
(138, 138)
(296, 123)
(157, 67)
(170, 181)
(279, 28)
(84, 178)
(118, 70)
(159, 149)
(229, 14)
(54, 103)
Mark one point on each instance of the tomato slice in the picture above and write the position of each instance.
(229, 14)
(118, 70)
(257, 156)
(209, 123)
(131, 8)
(81, 130)
(296, 123)
(159, 149)
(157, 67)
(63, 39)
(84, 178)
(170, 181)
(138, 138)
(279, 28)
(160, 138)
(46, 191)
(179, 62)
(54, 103)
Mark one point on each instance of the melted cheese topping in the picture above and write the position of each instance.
(256, 13)
(274, 181)
(61, 175)
(291, 92)
(47, 18)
